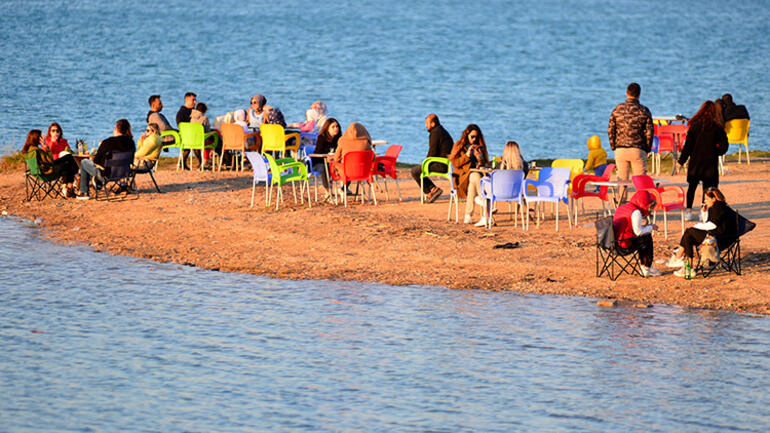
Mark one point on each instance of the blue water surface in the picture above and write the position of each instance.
(545, 73)
(97, 343)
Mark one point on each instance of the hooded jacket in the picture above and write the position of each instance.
(622, 223)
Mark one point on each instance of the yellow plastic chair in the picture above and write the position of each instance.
(274, 139)
(737, 131)
(575, 167)
(194, 138)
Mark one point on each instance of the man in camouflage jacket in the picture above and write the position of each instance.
(630, 132)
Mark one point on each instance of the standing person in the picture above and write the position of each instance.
(183, 115)
(64, 167)
(439, 145)
(121, 141)
(326, 143)
(628, 223)
(731, 111)
(706, 142)
(254, 113)
(470, 151)
(630, 132)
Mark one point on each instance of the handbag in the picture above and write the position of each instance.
(709, 251)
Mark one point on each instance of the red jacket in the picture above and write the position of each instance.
(621, 222)
(56, 146)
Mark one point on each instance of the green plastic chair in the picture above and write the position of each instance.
(37, 184)
(425, 172)
(287, 170)
(194, 138)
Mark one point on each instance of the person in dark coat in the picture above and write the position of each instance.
(706, 142)
(439, 144)
(731, 111)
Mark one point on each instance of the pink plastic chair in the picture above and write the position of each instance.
(385, 166)
(645, 183)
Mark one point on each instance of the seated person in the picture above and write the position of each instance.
(148, 147)
(356, 137)
(439, 146)
(55, 141)
(511, 160)
(731, 111)
(65, 167)
(470, 151)
(627, 224)
(155, 116)
(718, 220)
(273, 116)
(326, 143)
(254, 116)
(597, 157)
(121, 141)
(253, 143)
(315, 117)
(198, 115)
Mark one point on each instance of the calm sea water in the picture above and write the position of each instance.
(97, 343)
(545, 73)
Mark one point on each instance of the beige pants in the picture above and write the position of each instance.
(474, 186)
(629, 159)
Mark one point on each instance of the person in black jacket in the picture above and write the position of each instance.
(719, 220)
(731, 111)
(183, 115)
(706, 142)
(440, 144)
(326, 143)
(121, 141)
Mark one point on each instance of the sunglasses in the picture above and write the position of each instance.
(55, 130)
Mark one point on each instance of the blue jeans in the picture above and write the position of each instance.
(87, 171)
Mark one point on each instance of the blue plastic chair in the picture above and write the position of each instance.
(307, 150)
(261, 174)
(503, 185)
(552, 186)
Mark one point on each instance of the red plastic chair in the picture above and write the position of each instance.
(579, 184)
(357, 166)
(645, 183)
(385, 166)
(671, 140)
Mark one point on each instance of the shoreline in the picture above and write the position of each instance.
(203, 220)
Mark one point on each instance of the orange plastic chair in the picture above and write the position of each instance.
(579, 184)
(234, 139)
(645, 183)
(357, 166)
(385, 166)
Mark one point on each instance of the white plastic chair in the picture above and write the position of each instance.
(552, 186)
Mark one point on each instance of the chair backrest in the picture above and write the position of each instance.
(607, 173)
(357, 165)
(273, 138)
(310, 148)
(558, 177)
(575, 165)
(671, 137)
(506, 184)
(232, 136)
(737, 130)
(31, 159)
(426, 163)
(394, 150)
(192, 135)
(119, 165)
(259, 166)
(605, 233)
(642, 181)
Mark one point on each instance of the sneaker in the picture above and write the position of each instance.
(434, 194)
(681, 272)
(83, 197)
(482, 222)
(467, 219)
(479, 201)
(650, 272)
(675, 262)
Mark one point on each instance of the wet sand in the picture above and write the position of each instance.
(204, 220)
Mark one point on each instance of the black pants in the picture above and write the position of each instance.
(427, 184)
(186, 153)
(643, 244)
(66, 167)
(691, 238)
(693, 185)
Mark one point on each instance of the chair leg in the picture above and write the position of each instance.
(748, 158)
(422, 193)
(268, 193)
(665, 225)
(253, 187)
(307, 187)
(387, 193)
(398, 188)
(374, 194)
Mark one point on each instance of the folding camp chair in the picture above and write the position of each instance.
(611, 258)
(729, 250)
(121, 175)
(145, 166)
(37, 184)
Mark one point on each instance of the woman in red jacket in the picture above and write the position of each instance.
(55, 141)
(631, 232)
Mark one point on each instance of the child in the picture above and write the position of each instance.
(597, 157)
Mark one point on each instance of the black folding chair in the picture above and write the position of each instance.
(146, 166)
(39, 185)
(611, 258)
(729, 250)
(120, 174)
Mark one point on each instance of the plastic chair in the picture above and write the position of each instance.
(177, 139)
(654, 155)
(357, 166)
(307, 150)
(194, 138)
(575, 166)
(274, 139)
(552, 186)
(503, 185)
(283, 171)
(737, 131)
(234, 139)
(581, 182)
(425, 172)
(37, 184)
(644, 182)
(385, 166)
(671, 140)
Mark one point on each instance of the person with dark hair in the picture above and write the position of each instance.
(64, 167)
(470, 151)
(198, 115)
(273, 116)
(121, 141)
(326, 143)
(630, 132)
(717, 219)
(155, 115)
(731, 111)
(254, 114)
(439, 145)
(55, 141)
(632, 233)
(706, 142)
(183, 115)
